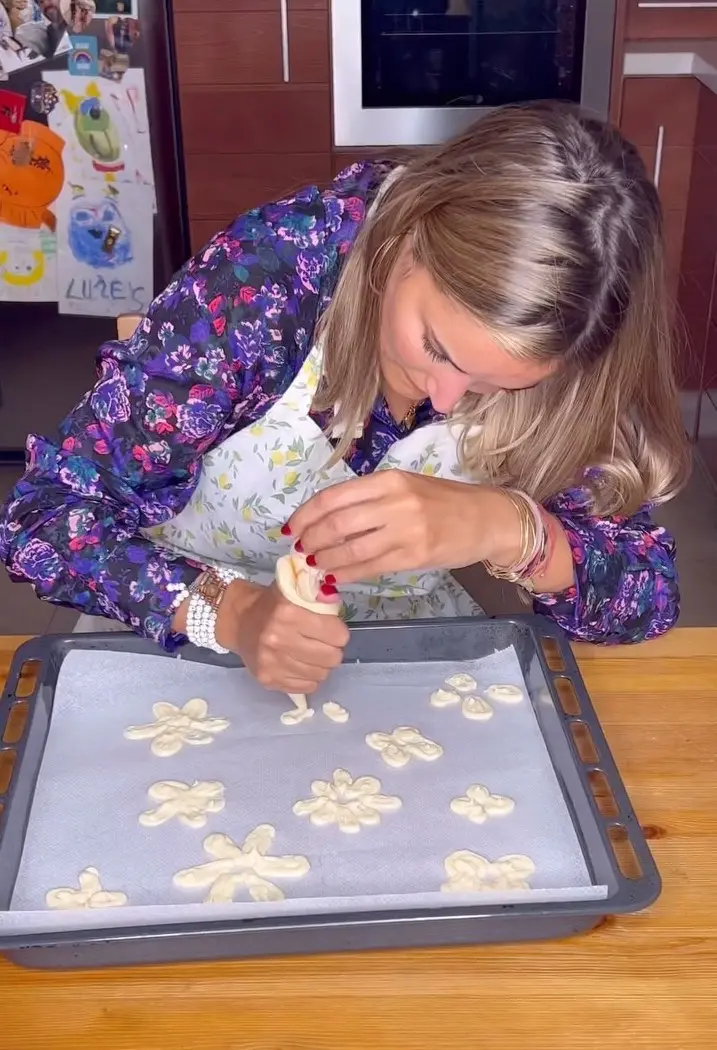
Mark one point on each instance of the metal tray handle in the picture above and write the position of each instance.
(620, 827)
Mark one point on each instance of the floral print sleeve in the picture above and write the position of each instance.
(217, 347)
(625, 586)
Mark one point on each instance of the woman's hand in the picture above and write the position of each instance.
(286, 648)
(395, 521)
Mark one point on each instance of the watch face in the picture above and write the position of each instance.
(212, 589)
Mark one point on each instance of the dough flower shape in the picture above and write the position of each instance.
(247, 865)
(189, 803)
(347, 802)
(89, 895)
(176, 726)
(468, 872)
(478, 804)
(404, 743)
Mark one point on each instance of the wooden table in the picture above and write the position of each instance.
(647, 981)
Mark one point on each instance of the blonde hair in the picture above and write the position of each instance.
(544, 225)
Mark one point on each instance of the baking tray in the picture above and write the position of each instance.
(615, 851)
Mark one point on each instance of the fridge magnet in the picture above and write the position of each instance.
(12, 111)
(122, 34)
(83, 60)
(32, 172)
(43, 97)
(78, 14)
(116, 8)
(105, 249)
(105, 126)
(113, 66)
(28, 36)
(28, 265)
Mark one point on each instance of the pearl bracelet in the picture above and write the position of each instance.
(202, 624)
(202, 610)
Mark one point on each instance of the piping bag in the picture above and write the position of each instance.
(300, 584)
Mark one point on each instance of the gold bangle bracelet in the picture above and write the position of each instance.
(529, 544)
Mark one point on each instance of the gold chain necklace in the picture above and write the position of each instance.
(410, 418)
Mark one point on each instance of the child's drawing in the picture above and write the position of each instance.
(97, 233)
(31, 175)
(95, 129)
(105, 257)
(105, 126)
(28, 265)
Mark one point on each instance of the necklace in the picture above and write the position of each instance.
(410, 418)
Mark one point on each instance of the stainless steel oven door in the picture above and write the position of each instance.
(412, 72)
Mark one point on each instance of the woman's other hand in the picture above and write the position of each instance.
(395, 521)
(286, 648)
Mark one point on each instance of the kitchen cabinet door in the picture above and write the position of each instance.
(659, 115)
(227, 119)
(255, 103)
(284, 43)
(671, 20)
(221, 187)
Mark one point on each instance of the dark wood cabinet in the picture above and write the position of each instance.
(255, 103)
(659, 115)
(670, 20)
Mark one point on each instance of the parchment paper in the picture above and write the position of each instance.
(93, 786)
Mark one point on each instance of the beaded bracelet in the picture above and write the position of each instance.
(202, 613)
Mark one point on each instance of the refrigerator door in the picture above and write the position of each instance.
(46, 357)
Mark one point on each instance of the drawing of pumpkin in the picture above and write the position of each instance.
(31, 175)
(95, 129)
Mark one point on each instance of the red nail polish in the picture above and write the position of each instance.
(311, 561)
(286, 530)
(328, 589)
(298, 547)
(330, 579)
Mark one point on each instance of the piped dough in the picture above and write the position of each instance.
(191, 803)
(335, 711)
(444, 698)
(176, 726)
(90, 894)
(348, 803)
(300, 584)
(468, 872)
(478, 804)
(477, 709)
(504, 694)
(297, 714)
(404, 743)
(245, 866)
(461, 682)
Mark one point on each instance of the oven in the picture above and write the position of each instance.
(411, 72)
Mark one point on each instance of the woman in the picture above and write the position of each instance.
(333, 368)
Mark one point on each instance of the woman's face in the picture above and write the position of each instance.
(432, 347)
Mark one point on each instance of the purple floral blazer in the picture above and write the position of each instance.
(217, 348)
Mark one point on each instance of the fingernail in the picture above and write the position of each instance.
(298, 547)
(328, 589)
(330, 579)
(286, 530)
(311, 561)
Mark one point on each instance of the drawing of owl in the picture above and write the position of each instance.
(98, 235)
